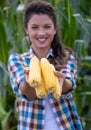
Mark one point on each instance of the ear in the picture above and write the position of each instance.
(26, 31)
(55, 31)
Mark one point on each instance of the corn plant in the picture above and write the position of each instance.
(74, 21)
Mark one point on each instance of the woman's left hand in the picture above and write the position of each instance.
(65, 84)
(60, 78)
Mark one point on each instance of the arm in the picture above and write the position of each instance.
(67, 75)
(67, 84)
(18, 82)
(69, 71)
(15, 72)
(26, 89)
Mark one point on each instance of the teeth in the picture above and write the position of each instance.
(41, 39)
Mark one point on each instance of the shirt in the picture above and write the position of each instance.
(51, 123)
(31, 113)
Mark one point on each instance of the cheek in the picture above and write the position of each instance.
(52, 35)
(31, 34)
(52, 32)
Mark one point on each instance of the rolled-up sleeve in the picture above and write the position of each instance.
(16, 72)
(69, 70)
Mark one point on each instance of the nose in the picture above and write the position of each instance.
(41, 32)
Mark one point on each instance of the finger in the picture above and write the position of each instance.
(58, 67)
(58, 74)
(57, 61)
(26, 70)
(26, 78)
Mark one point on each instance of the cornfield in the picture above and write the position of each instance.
(74, 21)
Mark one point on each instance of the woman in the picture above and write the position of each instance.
(47, 113)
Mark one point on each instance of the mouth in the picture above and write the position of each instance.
(41, 39)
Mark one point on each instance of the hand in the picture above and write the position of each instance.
(26, 89)
(65, 84)
(26, 73)
(60, 78)
(59, 74)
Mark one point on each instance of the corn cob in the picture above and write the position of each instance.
(35, 72)
(48, 75)
(57, 92)
(41, 91)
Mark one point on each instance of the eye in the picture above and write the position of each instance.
(47, 26)
(34, 27)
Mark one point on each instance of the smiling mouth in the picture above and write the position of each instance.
(41, 39)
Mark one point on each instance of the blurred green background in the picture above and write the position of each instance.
(74, 20)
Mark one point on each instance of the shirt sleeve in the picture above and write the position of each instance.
(16, 72)
(69, 70)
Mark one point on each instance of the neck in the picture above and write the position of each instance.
(41, 53)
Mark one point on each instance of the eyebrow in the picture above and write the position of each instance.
(44, 24)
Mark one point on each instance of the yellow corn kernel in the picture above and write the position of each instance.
(57, 92)
(48, 75)
(35, 72)
(58, 88)
(41, 91)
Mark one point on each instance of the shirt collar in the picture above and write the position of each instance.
(50, 53)
(30, 53)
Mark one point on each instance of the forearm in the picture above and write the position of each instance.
(28, 91)
(67, 85)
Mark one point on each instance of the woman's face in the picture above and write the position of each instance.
(41, 31)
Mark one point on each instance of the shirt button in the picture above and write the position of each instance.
(42, 107)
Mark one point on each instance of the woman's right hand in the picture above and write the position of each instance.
(26, 89)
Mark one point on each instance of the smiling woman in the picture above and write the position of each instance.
(41, 31)
(46, 113)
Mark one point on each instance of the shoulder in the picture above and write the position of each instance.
(17, 56)
(71, 55)
(14, 57)
(71, 59)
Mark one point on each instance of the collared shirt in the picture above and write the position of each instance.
(31, 113)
